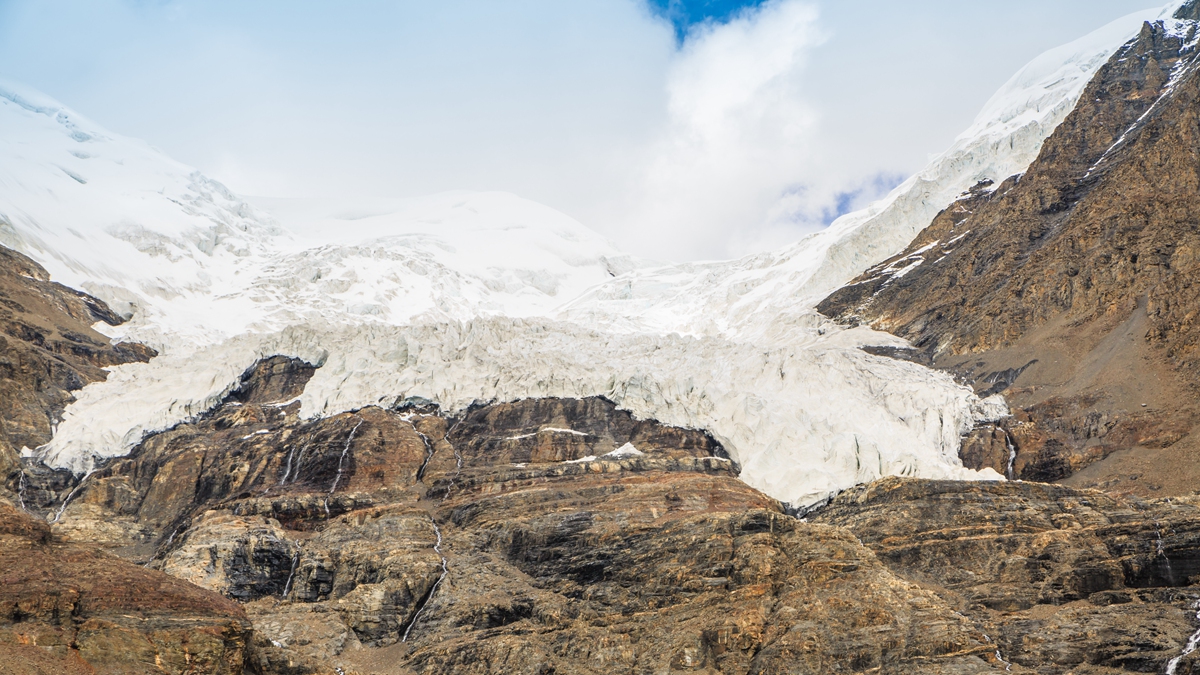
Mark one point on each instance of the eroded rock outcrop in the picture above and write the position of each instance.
(565, 536)
(538, 536)
(47, 350)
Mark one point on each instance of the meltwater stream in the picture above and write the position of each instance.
(71, 495)
(21, 491)
(437, 548)
(341, 464)
(1192, 643)
(287, 587)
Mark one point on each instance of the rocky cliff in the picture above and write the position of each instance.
(1061, 580)
(1070, 288)
(539, 536)
(565, 536)
(47, 350)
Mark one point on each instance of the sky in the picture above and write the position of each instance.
(680, 129)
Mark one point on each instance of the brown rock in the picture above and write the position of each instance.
(1064, 581)
(404, 541)
(68, 608)
(47, 350)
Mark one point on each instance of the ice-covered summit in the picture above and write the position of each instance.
(192, 263)
(114, 216)
(462, 298)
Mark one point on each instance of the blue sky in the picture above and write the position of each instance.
(756, 128)
(683, 14)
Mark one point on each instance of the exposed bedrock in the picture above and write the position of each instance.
(1062, 580)
(70, 608)
(1071, 288)
(564, 536)
(48, 349)
(537, 536)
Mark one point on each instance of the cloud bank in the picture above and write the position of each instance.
(762, 124)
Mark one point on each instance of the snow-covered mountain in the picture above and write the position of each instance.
(759, 297)
(462, 298)
(192, 263)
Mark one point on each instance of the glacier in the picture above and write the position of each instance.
(462, 298)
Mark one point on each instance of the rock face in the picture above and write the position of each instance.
(1070, 288)
(1061, 580)
(565, 536)
(47, 350)
(541, 536)
(69, 608)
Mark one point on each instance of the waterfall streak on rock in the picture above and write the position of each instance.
(341, 464)
(287, 588)
(999, 657)
(1160, 551)
(165, 547)
(300, 460)
(432, 591)
(287, 471)
(428, 452)
(70, 495)
(1192, 644)
(21, 491)
(1012, 456)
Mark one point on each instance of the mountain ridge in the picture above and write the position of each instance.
(1068, 287)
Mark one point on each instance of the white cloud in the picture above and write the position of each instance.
(737, 137)
(745, 137)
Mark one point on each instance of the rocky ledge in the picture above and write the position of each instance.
(1061, 580)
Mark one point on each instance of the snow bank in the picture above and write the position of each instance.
(192, 263)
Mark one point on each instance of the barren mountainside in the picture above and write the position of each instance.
(1070, 288)
(564, 536)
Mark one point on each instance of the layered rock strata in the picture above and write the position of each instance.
(1061, 580)
(541, 536)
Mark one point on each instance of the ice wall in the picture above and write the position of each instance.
(804, 421)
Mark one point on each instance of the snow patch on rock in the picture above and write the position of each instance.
(627, 450)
